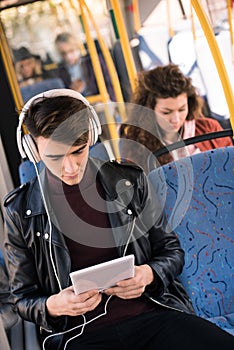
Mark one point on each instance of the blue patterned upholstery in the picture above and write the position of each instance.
(197, 196)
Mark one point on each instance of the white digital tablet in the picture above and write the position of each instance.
(104, 275)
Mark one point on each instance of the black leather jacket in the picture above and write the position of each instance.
(8, 314)
(136, 224)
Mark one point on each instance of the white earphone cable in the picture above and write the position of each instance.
(82, 326)
(57, 278)
(50, 226)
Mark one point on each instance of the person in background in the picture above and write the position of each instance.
(167, 108)
(68, 49)
(32, 75)
(28, 67)
(78, 212)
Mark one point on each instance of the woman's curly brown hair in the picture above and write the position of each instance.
(161, 82)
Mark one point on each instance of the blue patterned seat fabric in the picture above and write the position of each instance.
(197, 196)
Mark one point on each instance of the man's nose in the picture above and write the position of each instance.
(70, 165)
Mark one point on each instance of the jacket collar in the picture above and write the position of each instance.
(35, 204)
(106, 172)
(112, 177)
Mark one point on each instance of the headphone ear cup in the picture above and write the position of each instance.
(93, 132)
(30, 148)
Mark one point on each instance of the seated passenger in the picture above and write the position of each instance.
(31, 75)
(97, 211)
(28, 67)
(167, 108)
(67, 47)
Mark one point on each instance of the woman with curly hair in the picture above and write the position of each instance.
(166, 108)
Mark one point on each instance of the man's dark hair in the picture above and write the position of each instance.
(64, 119)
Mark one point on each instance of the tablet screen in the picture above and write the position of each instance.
(104, 275)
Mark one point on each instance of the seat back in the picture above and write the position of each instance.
(197, 197)
(40, 86)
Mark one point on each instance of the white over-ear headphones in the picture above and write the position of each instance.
(26, 144)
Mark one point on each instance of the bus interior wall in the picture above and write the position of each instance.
(8, 125)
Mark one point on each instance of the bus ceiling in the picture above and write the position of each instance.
(5, 4)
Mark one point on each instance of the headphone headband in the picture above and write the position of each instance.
(95, 126)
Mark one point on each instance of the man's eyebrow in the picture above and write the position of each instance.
(79, 149)
(62, 155)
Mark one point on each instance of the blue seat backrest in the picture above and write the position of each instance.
(27, 170)
(197, 196)
(41, 86)
(99, 151)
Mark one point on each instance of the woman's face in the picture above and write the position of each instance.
(26, 67)
(171, 113)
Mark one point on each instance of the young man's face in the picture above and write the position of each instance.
(66, 162)
(69, 52)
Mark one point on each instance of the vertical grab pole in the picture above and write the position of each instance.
(214, 48)
(229, 8)
(130, 64)
(100, 79)
(7, 60)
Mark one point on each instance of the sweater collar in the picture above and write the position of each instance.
(107, 172)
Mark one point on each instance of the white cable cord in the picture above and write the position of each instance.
(50, 226)
(130, 236)
(57, 278)
(81, 325)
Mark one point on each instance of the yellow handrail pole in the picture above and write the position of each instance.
(208, 31)
(100, 80)
(171, 31)
(10, 71)
(94, 57)
(111, 67)
(108, 59)
(136, 15)
(193, 23)
(229, 9)
(127, 53)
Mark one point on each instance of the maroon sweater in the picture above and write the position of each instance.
(90, 241)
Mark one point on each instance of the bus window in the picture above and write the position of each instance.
(36, 53)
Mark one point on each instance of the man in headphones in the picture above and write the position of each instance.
(79, 212)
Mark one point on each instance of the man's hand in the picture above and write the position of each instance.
(77, 85)
(68, 303)
(133, 287)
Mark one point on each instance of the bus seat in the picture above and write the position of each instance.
(197, 197)
(31, 90)
(27, 171)
(102, 150)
